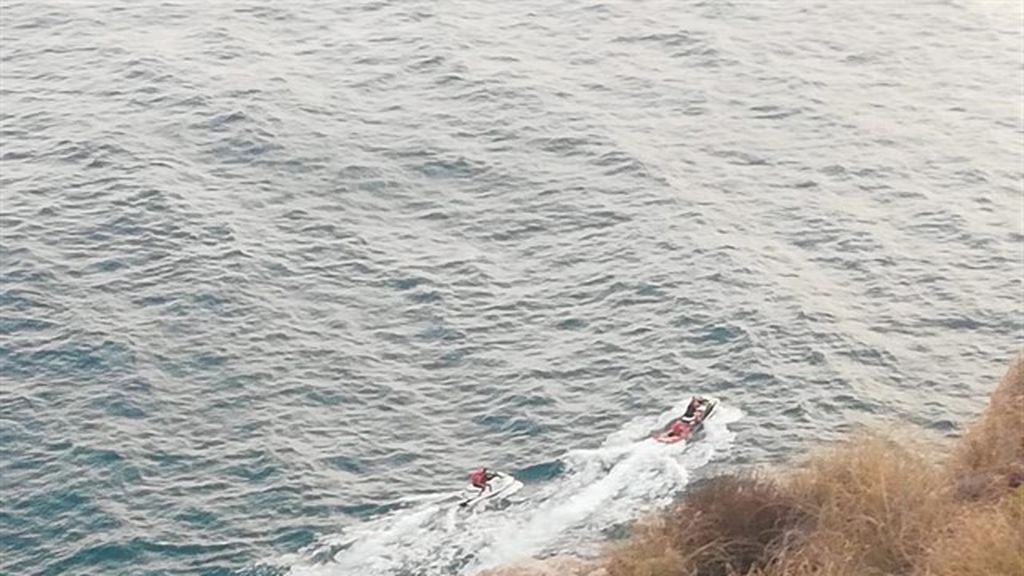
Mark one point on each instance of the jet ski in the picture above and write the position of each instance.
(498, 488)
(684, 428)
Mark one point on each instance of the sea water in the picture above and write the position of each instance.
(277, 276)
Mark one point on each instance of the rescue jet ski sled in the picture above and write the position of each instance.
(685, 427)
(498, 488)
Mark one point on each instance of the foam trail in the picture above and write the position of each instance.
(627, 476)
(547, 523)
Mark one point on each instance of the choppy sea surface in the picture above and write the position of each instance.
(275, 276)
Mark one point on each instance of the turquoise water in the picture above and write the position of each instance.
(275, 277)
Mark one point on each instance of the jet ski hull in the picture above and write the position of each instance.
(664, 437)
(499, 488)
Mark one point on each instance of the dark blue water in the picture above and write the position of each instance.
(275, 276)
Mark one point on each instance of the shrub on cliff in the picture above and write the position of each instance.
(875, 504)
(982, 540)
(990, 458)
(731, 525)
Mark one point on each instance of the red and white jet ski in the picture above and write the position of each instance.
(683, 428)
(498, 488)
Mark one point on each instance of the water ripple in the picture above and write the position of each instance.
(268, 271)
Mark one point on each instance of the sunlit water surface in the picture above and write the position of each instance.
(277, 275)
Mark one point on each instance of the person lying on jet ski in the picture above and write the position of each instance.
(679, 428)
(694, 414)
(481, 479)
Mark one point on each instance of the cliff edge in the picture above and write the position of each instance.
(873, 505)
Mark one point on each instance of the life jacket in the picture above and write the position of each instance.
(478, 478)
(679, 429)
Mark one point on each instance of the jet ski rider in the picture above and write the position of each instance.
(679, 429)
(694, 413)
(481, 479)
(696, 409)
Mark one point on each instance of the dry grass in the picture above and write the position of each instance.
(991, 456)
(730, 526)
(871, 506)
(877, 505)
(985, 540)
(735, 524)
(651, 551)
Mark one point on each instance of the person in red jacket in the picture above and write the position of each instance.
(694, 415)
(481, 479)
(680, 429)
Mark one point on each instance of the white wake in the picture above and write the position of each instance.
(627, 476)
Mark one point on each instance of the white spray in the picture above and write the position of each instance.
(627, 476)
